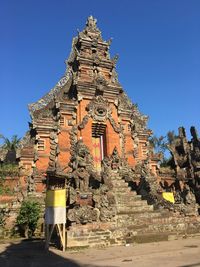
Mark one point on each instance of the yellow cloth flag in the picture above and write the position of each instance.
(168, 196)
(56, 198)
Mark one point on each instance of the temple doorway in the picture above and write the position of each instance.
(99, 144)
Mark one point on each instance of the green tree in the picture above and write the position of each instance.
(160, 145)
(28, 217)
(10, 144)
(9, 148)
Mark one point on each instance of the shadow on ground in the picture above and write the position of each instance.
(32, 254)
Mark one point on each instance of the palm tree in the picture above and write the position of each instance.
(9, 147)
(10, 144)
(160, 145)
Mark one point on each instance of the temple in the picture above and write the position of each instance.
(87, 131)
(89, 106)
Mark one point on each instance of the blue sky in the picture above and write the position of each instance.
(158, 43)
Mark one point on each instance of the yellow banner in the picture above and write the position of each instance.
(56, 198)
(168, 196)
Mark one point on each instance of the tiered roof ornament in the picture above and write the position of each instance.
(91, 31)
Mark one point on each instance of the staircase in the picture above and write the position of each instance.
(135, 222)
(142, 222)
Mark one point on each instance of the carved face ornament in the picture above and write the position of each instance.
(99, 109)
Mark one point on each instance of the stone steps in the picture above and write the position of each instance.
(133, 209)
(127, 195)
(121, 190)
(167, 229)
(160, 224)
(130, 200)
(135, 213)
(119, 183)
(127, 201)
(136, 203)
(140, 216)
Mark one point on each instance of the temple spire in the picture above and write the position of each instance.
(91, 30)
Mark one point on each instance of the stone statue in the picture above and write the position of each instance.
(81, 164)
(189, 197)
(115, 160)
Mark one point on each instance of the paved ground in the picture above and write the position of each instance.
(178, 253)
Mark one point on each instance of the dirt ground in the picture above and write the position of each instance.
(177, 253)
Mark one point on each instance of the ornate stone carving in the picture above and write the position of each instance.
(105, 203)
(186, 157)
(117, 164)
(83, 214)
(122, 141)
(100, 82)
(82, 165)
(74, 52)
(138, 121)
(179, 147)
(84, 121)
(115, 160)
(115, 59)
(53, 151)
(114, 77)
(99, 109)
(31, 184)
(195, 153)
(148, 186)
(91, 31)
(73, 139)
(96, 59)
(124, 102)
(26, 141)
(117, 128)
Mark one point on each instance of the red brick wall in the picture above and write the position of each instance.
(64, 146)
(112, 139)
(128, 144)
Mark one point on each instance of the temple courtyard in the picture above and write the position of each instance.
(177, 253)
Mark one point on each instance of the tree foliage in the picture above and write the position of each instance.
(10, 144)
(8, 148)
(160, 145)
(8, 169)
(28, 217)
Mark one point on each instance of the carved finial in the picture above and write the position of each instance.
(181, 131)
(115, 59)
(110, 41)
(91, 30)
(91, 22)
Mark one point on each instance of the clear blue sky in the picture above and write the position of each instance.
(158, 43)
